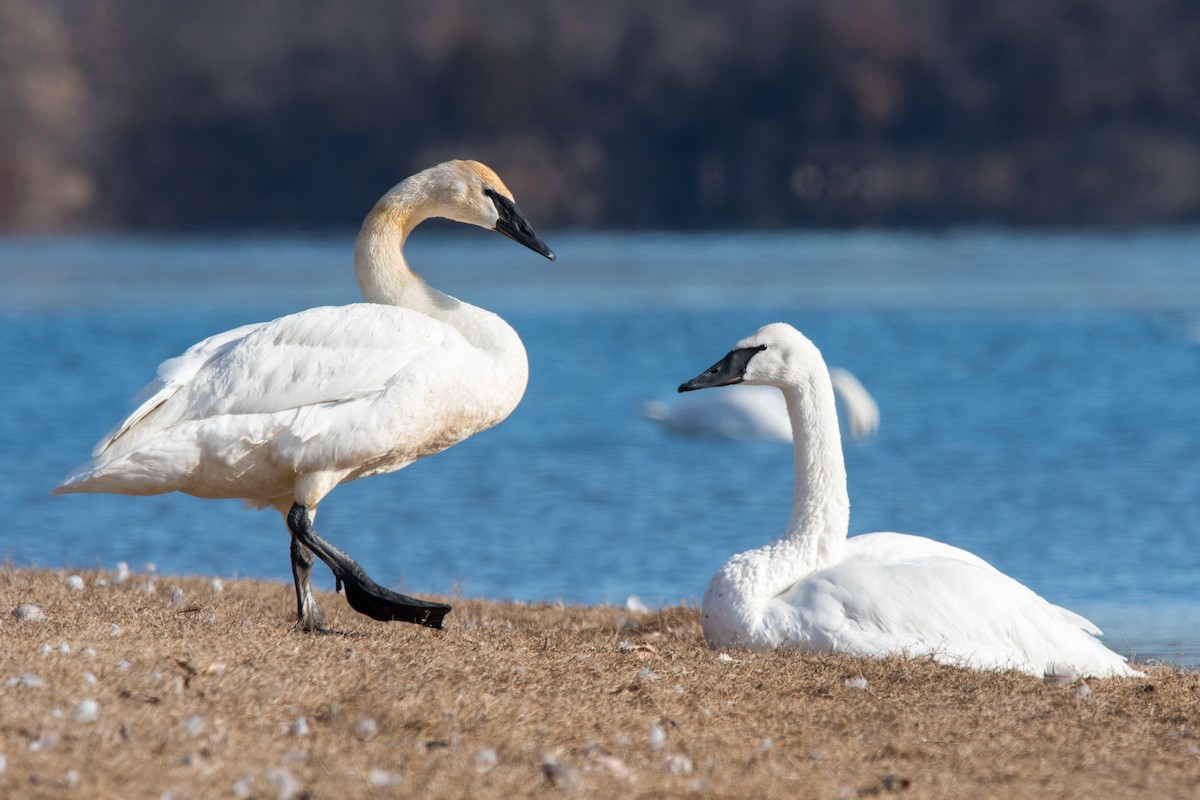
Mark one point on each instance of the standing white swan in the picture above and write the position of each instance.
(759, 412)
(880, 593)
(279, 413)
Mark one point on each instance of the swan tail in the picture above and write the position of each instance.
(69, 485)
(91, 480)
(79, 479)
(1071, 618)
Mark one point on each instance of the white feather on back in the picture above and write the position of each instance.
(362, 388)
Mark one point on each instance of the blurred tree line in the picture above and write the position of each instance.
(672, 113)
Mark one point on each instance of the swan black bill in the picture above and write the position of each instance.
(729, 370)
(364, 595)
(512, 223)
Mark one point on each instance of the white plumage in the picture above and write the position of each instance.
(339, 391)
(278, 413)
(876, 594)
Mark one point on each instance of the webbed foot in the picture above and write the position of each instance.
(364, 595)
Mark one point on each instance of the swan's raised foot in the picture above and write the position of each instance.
(364, 595)
(385, 605)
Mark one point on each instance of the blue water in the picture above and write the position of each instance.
(1038, 396)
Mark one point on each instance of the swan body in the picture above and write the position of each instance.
(877, 594)
(759, 412)
(279, 413)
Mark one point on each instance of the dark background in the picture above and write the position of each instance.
(298, 114)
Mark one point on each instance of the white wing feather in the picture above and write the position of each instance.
(324, 390)
(173, 374)
(896, 593)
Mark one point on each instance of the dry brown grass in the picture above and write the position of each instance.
(531, 701)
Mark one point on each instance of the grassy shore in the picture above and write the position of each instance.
(186, 690)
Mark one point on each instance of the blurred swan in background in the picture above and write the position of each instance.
(876, 594)
(759, 412)
(281, 412)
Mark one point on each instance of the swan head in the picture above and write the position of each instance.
(774, 355)
(471, 192)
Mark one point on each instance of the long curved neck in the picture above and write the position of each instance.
(385, 277)
(820, 504)
(816, 533)
(379, 264)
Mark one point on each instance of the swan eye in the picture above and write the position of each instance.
(507, 210)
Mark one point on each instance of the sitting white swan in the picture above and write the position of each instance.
(880, 593)
(279, 413)
(759, 412)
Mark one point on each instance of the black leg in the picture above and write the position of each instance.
(364, 595)
(308, 615)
